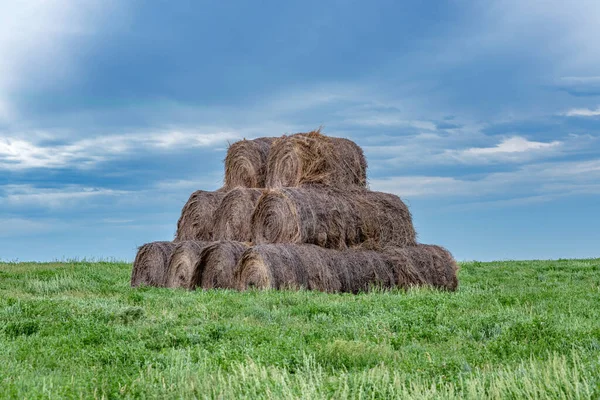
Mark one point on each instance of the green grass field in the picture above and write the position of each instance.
(513, 330)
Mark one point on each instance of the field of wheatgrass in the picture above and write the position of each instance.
(513, 330)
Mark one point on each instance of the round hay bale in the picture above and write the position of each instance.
(233, 217)
(151, 263)
(362, 270)
(384, 220)
(246, 163)
(183, 264)
(292, 266)
(285, 266)
(197, 216)
(217, 265)
(332, 218)
(424, 264)
(315, 158)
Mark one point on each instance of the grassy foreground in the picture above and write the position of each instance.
(513, 330)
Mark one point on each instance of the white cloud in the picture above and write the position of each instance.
(514, 149)
(512, 145)
(546, 179)
(208, 181)
(178, 139)
(19, 154)
(30, 196)
(36, 39)
(457, 148)
(583, 112)
(15, 227)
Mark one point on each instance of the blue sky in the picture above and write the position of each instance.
(483, 116)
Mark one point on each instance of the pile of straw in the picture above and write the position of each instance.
(217, 265)
(151, 263)
(424, 264)
(183, 264)
(295, 213)
(332, 218)
(197, 217)
(315, 158)
(246, 163)
(293, 266)
(233, 217)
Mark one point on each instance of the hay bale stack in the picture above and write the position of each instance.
(302, 200)
(197, 216)
(217, 265)
(315, 158)
(183, 264)
(151, 263)
(424, 264)
(332, 218)
(233, 217)
(246, 163)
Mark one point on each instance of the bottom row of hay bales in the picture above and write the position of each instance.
(239, 266)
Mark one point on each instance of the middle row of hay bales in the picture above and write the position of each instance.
(197, 215)
(332, 218)
(234, 265)
(314, 214)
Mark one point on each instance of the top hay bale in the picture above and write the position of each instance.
(313, 158)
(246, 163)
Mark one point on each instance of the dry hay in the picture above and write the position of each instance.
(246, 163)
(384, 220)
(332, 218)
(151, 263)
(197, 216)
(292, 266)
(285, 266)
(315, 158)
(217, 265)
(424, 264)
(233, 217)
(183, 264)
